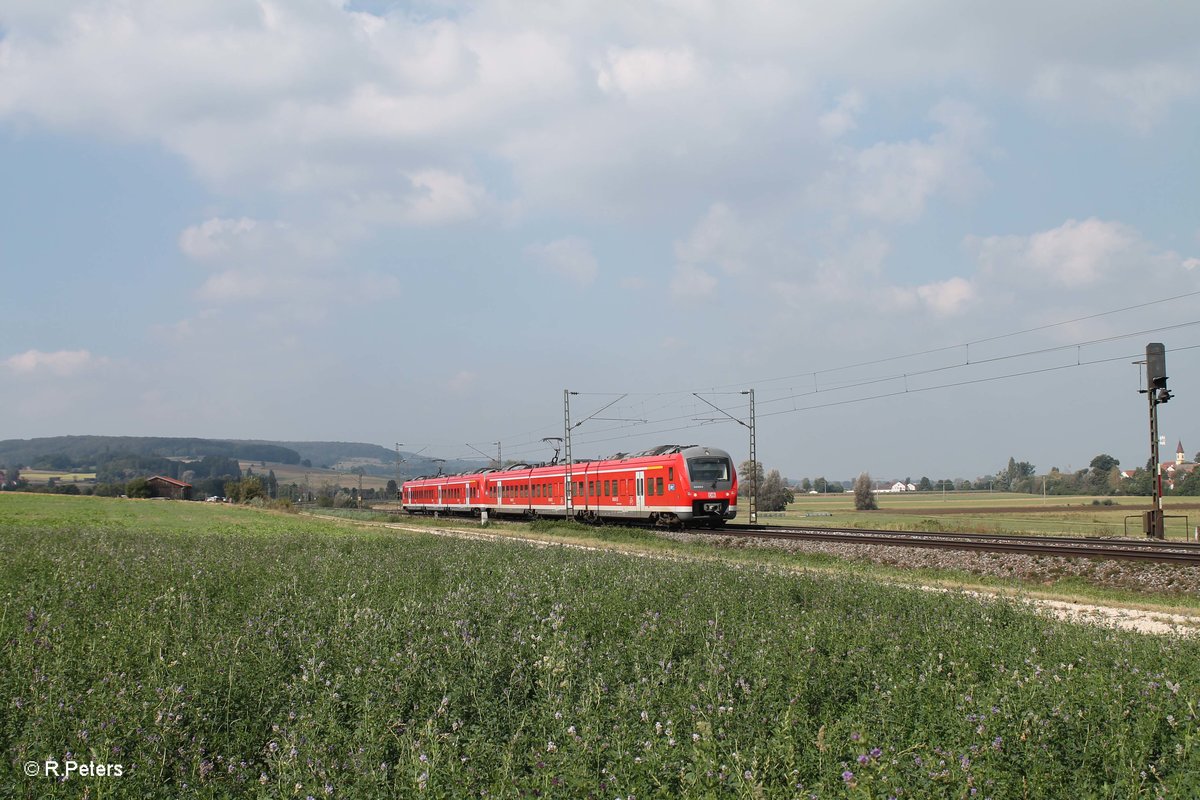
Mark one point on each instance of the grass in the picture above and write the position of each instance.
(1099, 589)
(226, 652)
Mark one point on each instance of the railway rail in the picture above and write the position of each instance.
(1182, 553)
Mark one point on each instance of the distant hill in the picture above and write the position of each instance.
(84, 450)
(64, 452)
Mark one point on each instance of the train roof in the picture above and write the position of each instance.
(688, 450)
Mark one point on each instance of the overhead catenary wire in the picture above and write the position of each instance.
(528, 444)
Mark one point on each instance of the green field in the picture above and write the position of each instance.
(987, 512)
(216, 651)
(39, 476)
(315, 479)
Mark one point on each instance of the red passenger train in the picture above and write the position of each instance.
(668, 486)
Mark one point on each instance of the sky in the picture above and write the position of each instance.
(929, 236)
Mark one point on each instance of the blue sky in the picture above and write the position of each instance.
(421, 222)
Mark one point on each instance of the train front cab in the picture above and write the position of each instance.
(713, 484)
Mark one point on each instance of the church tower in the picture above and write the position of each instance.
(1179, 458)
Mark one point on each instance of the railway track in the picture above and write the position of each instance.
(1182, 553)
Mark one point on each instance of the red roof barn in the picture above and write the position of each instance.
(169, 488)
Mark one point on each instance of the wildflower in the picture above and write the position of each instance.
(748, 775)
(855, 736)
(863, 759)
(876, 752)
(551, 747)
(847, 776)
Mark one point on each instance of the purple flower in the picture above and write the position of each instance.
(855, 736)
(863, 759)
(847, 776)
(876, 752)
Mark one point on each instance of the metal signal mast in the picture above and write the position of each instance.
(1157, 392)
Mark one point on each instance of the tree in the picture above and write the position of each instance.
(774, 495)
(925, 485)
(1140, 483)
(1017, 476)
(392, 488)
(864, 493)
(1099, 474)
(138, 487)
(806, 486)
(747, 474)
(251, 488)
(1189, 484)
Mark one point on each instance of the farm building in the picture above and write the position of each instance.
(169, 488)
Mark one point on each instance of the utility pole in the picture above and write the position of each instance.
(398, 446)
(568, 486)
(1156, 391)
(754, 464)
(753, 451)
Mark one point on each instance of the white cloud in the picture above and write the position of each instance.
(461, 382)
(943, 298)
(60, 363)
(894, 181)
(843, 117)
(244, 240)
(642, 71)
(721, 238)
(691, 283)
(441, 197)
(570, 258)
(1074, 255)
(1140, 96)
(214, 237)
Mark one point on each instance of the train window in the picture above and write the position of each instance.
(606, 488)
(671, 474)
(650, 487)
(658, 489)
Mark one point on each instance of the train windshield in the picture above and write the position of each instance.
(711, 472)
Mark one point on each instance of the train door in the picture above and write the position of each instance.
(640, 492)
